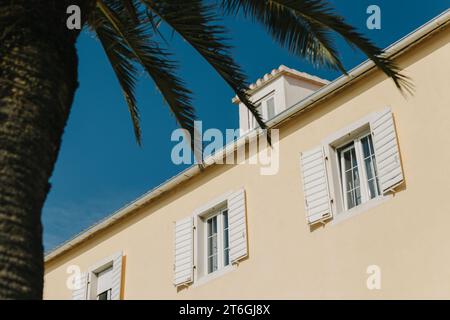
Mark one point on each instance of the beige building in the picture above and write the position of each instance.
(357, 207)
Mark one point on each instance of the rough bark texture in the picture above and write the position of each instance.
(38, 79)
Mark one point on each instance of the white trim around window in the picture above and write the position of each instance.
(213, 210)
(351, 152)
(358, 174)
(219, 236)
(361, 209)
(212, 254)
(106, 276)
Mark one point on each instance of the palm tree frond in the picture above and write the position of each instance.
(320, 17)
(196, 22)
(131, 7)
(121, 61)
(301, 37)
(135, 40)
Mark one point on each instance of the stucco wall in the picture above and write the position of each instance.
(297, 90)
(407, 236)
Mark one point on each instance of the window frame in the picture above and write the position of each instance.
(373, 166)
(199, 275)
(219, 215)
(356, 144)
(92, 276)
(343, 173)
(97, 274)
(330, 145)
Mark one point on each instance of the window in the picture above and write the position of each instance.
(266, 109)
(217, 241)
(211, 242)
(102, 281)
(357, 170)
(352, 170)
(104, 284)
(106, 295)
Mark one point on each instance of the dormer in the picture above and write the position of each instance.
(276, 92)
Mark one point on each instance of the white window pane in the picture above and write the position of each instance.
(212, 226)
(370, 167)
(357, 193)
(373, 188)
(349, 180)
(217, 242)
(366, 147)
(351, 177)
(355, 176)
(212, 264)
(347, 160)
(350, 199)
(212, 244)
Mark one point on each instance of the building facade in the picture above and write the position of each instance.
(356, 209)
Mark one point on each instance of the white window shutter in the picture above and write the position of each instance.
(116, 276)
(237, 225)
(80, 292)
(315, 185)
(387, 154)
(184, 251)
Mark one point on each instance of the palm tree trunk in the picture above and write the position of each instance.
(38, 79)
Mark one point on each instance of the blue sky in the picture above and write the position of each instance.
(100, 167)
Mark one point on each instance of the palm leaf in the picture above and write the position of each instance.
(131, 7)
(319, 17)
(135, 40)
(196, 22)
(122, 63)
(299, 36)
